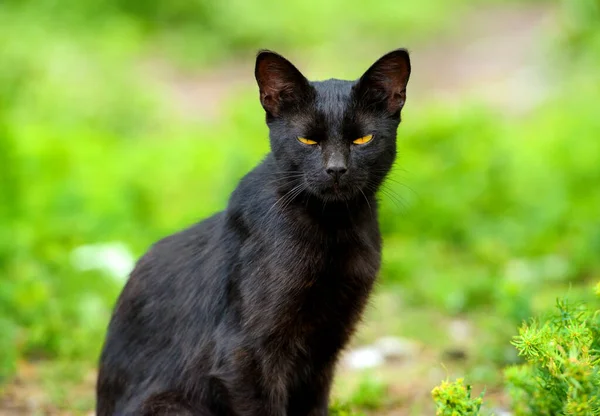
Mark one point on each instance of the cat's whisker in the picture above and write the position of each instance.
(402, 184)
(295, 191)
(292, 197)
(288, 178)
(397, 194)
(286, 196)
(395, 181)
(284, 180)
(391, 195)
(368, 203)
(395, 198)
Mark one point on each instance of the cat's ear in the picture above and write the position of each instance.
(279, 82)
(385, 81)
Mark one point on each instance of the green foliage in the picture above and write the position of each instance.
(562, 373)
(581, 28)
(9, 349)
(454, 399)
(342, 409)
(484, 212)
(201, 30)
(369, 394)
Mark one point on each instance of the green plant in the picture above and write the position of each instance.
(369, 394)
(454, 399)
(562, 370)
(561, 373)
(342, 409)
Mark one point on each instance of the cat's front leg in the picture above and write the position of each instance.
(321, 407)
(250, 399)
(276, 370)
(322, 410)
(311, 397)
(168, 404)
(256, 388)
(245, 405)
(317, 405)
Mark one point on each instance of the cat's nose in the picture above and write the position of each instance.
(336, 171)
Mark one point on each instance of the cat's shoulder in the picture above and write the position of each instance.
(191, 236)
(254, 191)
(182, 246)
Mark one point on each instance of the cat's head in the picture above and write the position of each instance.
(333, 139)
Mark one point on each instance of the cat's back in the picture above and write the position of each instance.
(172, 275)
(176, 259)
(180, 284)
(171, 300)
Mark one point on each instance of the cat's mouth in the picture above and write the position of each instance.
(341, 190)
(337, 190)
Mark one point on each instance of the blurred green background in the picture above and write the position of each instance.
(122, 121)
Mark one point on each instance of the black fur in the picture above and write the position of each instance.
(246, 312)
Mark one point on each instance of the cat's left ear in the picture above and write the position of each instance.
(385, 81)
(280, 83)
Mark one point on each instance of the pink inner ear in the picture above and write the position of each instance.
(273, 79)
(389, 76)
(278, 80)
(396, 101)
(273, 82)
(394, 75)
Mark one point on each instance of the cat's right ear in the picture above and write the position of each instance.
(385, 81)
(279, 82)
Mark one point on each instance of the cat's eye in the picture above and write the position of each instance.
(364, 140)
(306, 141)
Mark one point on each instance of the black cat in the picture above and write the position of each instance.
(246, 312)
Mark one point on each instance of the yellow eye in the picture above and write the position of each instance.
(364, 140)
(306, 141)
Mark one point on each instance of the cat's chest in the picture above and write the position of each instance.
(306, 274)
(324, 292)
(308, 289)
(307, 257)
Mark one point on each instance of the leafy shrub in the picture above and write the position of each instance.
(561, 375)
(454, 399)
